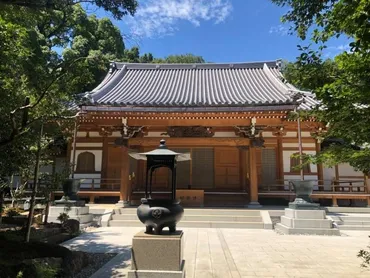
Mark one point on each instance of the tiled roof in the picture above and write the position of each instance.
(195, 86)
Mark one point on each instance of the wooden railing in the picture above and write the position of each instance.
(94, 184)
(349, 186)
(337, 189)
(100, 184)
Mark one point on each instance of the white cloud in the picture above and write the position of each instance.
(332, 51)
(341, 47)
(279, 29)
(161, 17)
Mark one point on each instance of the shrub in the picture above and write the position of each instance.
(11, 212)
(63, 217)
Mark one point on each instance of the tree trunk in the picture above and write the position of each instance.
(12, 190)
(47, 209)
(1, 205)
(48, 198)
(34, 189)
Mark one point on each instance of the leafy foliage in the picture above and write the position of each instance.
(63, 217)
(181, 59)
(365, 256)
(51, 52)
(342, 84)
(118, 8)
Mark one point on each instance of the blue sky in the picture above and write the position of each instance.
(218, 30)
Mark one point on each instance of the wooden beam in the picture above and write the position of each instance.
(179, 121)
(189, 142)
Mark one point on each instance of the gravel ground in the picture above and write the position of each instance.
(97, 260)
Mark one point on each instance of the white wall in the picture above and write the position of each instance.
(286, 159)
(296, 145)
(347, 170)
(291, 134)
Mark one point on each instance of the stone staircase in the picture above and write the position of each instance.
(202, 218)
(352, 222)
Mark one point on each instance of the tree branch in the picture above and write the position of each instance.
(16, 135)
(17, 132)
(44, 93)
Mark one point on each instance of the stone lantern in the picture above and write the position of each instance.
(159, 213)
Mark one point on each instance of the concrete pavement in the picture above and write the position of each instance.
(236, 253)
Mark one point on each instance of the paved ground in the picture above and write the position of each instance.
(241, 253)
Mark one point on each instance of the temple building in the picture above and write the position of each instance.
(234, 119)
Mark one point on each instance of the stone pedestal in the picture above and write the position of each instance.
(254, 205)
(123, 204)
(306, 221)
(80, 213)
(157, 256)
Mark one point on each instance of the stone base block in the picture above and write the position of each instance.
(254, 205)
(308, 222)
(81, 214)
(56, 210)
(75, 203)
(80, 218)
(306, 231)
(123, 204)
(305, 214)
(157, 252)
(157, 273)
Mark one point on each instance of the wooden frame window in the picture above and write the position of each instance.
(294, 163)
(85, 163)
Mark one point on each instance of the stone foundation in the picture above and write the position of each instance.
(157, 256)
(80, 214)
(310, 222)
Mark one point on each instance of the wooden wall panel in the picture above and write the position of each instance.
(202, 168)
(227, 171)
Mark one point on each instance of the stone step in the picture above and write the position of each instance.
(281, 228)
(186, 217)
(354, 222)
(353, 218)
(190, 211)
(354, 227)
(194, 224)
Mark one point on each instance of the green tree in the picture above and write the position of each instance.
(342, 85)
(32, 34)
(37, 83)
(180, 59)
(118, 8)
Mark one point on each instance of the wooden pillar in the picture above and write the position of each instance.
(366, 184)
(336, 173)
(253, 178)
(320, 171)
(104, 175)
(335, 202)
(280, 160)
(124, 175)
(243, 170)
